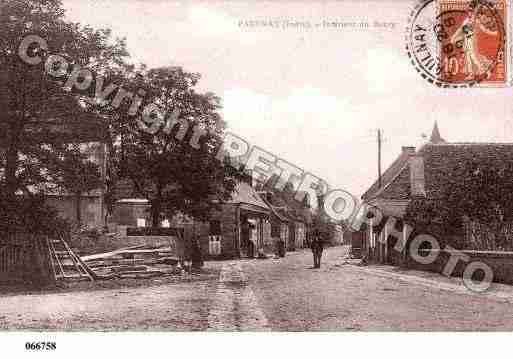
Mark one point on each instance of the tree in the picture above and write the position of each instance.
(38, 113)
(36, 110)
(118, 122)
(31, 217)
(173, 163)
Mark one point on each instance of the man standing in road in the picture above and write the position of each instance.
(196, 255)
(317, 248)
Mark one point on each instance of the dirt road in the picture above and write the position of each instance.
(274, 294)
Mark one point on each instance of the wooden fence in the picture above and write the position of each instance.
(23, 257)
(11, 259)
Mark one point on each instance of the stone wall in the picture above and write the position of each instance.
(501, 263)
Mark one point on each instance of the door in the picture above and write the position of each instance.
(254, 237)
(214, 245)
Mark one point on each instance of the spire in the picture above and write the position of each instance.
(435, 135)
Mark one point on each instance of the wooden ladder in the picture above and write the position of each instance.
(65, 263)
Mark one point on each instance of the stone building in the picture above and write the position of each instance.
(291, 219)
(421, 173)
(241, 228)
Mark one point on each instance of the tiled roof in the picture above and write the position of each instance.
(389, 176)
(440, 162)
(244, 193)
(286, 207)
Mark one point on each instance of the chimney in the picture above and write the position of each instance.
(417, 180)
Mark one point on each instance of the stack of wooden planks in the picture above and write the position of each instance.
(134, 262)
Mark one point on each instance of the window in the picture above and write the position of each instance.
(215, 228)
(141, 222)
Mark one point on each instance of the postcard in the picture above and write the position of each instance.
(169, 167)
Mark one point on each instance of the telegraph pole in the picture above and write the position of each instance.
(379, 157)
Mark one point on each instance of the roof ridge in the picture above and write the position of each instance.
(383, 188)
(374, 188)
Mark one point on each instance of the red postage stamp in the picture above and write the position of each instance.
(472, 40)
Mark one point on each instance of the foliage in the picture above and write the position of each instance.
(78, 175)
(321, 223)
(41, 125)
(31, 220)
(117, 122)
(39, 118)
(476, 191)
(430, 217)
(36, 110)
(172, 166)
(482, 191)
(29, 215)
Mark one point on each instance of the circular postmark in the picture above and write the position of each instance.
(458, 43)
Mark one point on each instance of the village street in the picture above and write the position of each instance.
(274, 294)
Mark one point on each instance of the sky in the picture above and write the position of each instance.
(312, 95)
